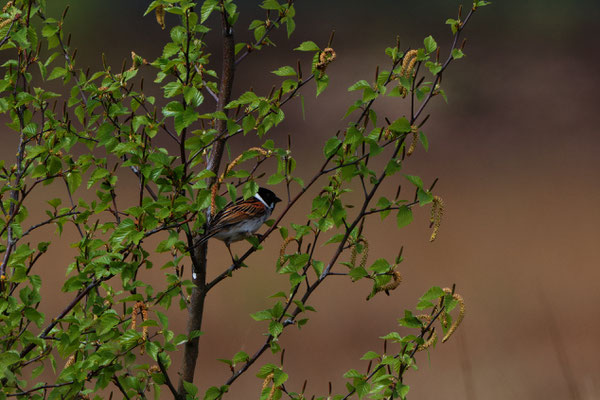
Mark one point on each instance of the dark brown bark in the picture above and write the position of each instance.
(199, 252)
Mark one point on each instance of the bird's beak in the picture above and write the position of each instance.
(277, 199)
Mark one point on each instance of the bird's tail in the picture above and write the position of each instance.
(202, 239)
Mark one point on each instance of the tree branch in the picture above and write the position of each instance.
(199, 253)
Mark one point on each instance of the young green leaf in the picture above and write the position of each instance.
(404, 216)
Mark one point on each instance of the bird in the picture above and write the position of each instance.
(240, 219)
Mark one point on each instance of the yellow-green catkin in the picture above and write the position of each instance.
(437, 212)
(283, 247)
(140, 308)
(413, 144)
(461, 314)
(408, 66)
(426, 318)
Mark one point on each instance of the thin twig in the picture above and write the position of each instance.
(167, 379)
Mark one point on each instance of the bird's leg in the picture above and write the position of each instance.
(230, 253)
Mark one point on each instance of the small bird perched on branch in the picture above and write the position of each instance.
(241, 219)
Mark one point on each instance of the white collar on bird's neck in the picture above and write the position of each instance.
(259, 198)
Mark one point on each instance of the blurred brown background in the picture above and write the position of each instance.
(516, 153)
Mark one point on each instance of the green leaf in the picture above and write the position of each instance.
(50, 29)
(285, 71)
(8, 358)
(248, 123)
(322, 83)
(454, 24)
(192, 96)
(415, 180)
(423, 304)
(410, 321)
(457, 53)
(358, 273)
(380, 266)
(332, 146)
(434, 67)
(393, 166)
(432, 294)
(172, 109)
(352, 373)
(271, 5)
(430, 44)
(370, 355)
(172, 89)
(290, 25)
(362, 84)
(404, 216)
(207, 8)
(266, 370)
(275, 328)
(240, 356)
(73, 180)
(261, 315)
(424, 197)
(275, 178)
(393, 336)
(34, 316)
(250, 189)
(424, 141)
(98, 174)
(190, 388)
(185, 119)
(214, 393)
(362, 387)
(402, 390)
(401, 125)
(308, 46)
(57, 72)
(245, 98)
(125, 229)
(318, 266)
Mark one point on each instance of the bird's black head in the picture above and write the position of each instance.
(269, 197)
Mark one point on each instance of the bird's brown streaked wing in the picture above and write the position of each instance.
(232, 214)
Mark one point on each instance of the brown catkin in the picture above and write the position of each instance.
(432, 339)
(326, 57)
(408, 63)
(393, 284)
(145, 327)
(160, 16)
(70, 361)
(365, 253)
(461, 314)
(408, 66)
(272, 392)
(140, 308)
(268, 379)
(9, 4)
(5, 22)
(413, 143)
(154, 369)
